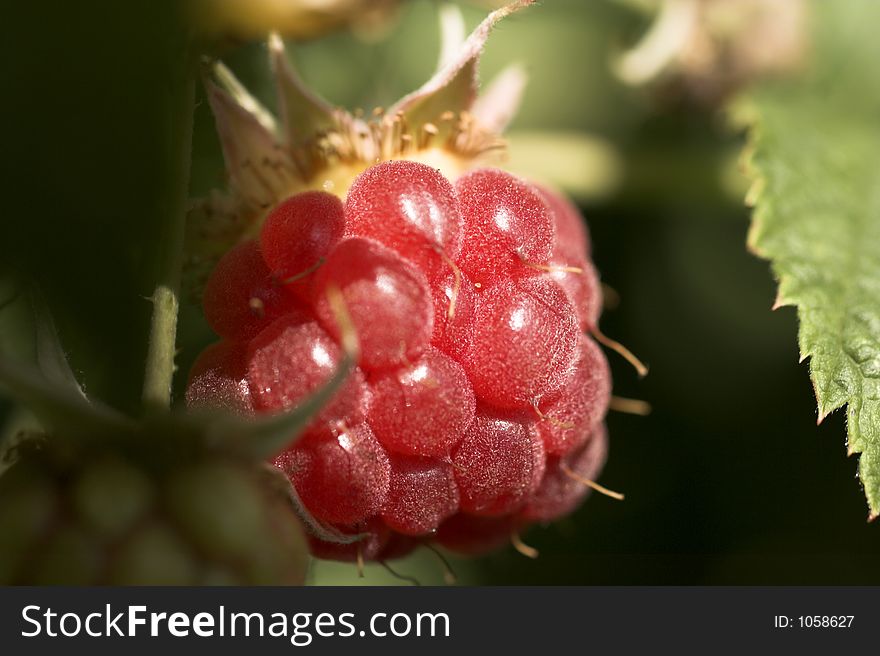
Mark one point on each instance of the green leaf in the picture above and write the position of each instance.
(34, 368)
(58, 407)
(51, 358)
(815, 161)
(264, 437)
(28, 334)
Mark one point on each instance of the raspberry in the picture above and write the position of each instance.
(508, 226)
(471, 535)
(290, 360)
(376, 536)
(421, 495)
(342, 479)
(422, 409)
(218, 379)
(498, 464)
(387, 298)
(477, 404)
(409, 207)
(561, 491)
(298, 234)
(454, 305)
(241, 297)
(567, 419)
(525, 338)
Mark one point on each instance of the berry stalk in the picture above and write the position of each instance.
(159, 371)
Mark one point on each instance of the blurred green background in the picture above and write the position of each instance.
(728, 481)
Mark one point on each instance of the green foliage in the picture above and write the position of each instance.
(815, 158)
(34, 368)
(263, 437)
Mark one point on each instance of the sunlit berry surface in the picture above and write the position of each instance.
(478, 403)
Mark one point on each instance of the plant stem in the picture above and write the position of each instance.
(163, 327)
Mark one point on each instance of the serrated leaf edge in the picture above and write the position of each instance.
(752, 169)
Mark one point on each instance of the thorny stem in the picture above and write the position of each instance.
(160, 367)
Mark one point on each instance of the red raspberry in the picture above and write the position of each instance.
(218, 379)
(421, 495)
(498, 464)
(471, 535)
(525, 339)
(507, 227)
(409, 207)
(242, 297)
(290, 360)
(455, 300)
(298, 234)
(343, 479)
(422, 409)
(375, 540)
(388, 300)
(561, 491)
(477, 404)
(568, 418)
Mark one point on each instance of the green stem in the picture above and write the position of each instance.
(163, 327)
